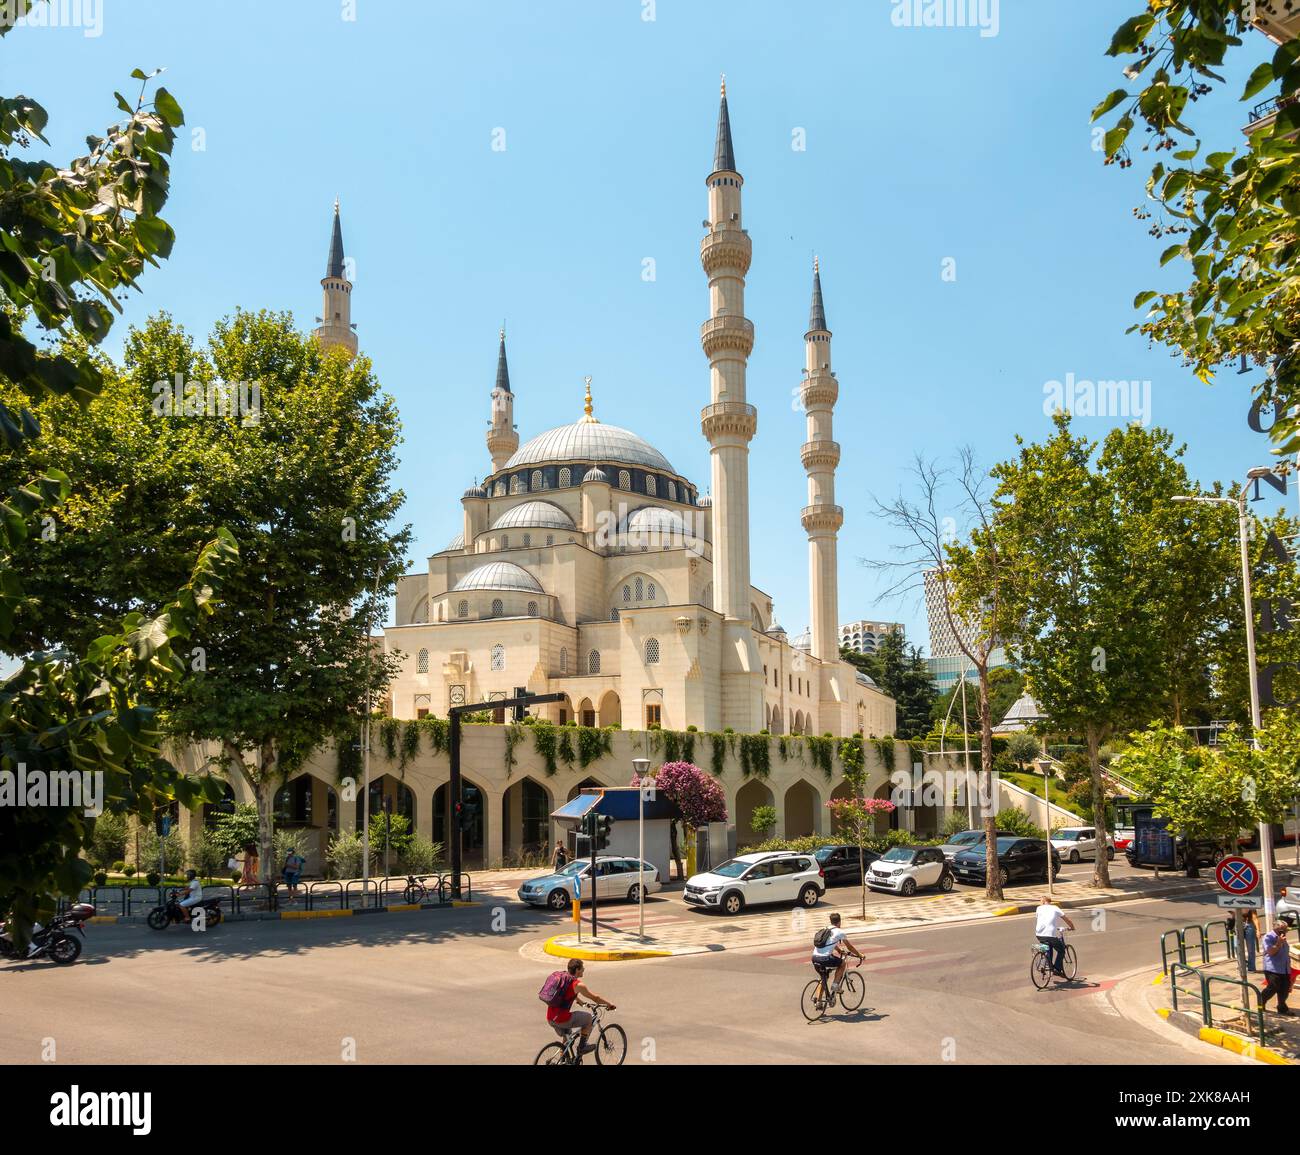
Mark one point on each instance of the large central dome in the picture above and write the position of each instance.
(590, 441)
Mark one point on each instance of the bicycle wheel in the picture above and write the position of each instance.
(1040, 970)
(551, 1055)
(853, 991)
(810, 1003)
(611, 1047)
(1070, 963)
(413, 894)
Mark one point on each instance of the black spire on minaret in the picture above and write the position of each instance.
(503, 370)
(724, 157)
(817, 318)
(335, 266)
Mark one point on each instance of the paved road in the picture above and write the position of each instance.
(460, 986)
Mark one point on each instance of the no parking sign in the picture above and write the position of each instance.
(1237, 875)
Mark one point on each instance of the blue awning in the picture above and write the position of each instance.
(619, 803)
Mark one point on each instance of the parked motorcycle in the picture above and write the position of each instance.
(54, 940)
(161, 917)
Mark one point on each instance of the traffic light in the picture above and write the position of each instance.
(466, 814)
(604, 828)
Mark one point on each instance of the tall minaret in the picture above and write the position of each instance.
(822, 518)
(502, 440)
(336, 319)
(729, 424)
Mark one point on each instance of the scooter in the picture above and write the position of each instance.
(161, 917)
(52, 941)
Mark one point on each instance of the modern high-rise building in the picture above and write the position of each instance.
(947, 661)
(865, 637)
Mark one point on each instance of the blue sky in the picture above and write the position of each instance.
(922, 145)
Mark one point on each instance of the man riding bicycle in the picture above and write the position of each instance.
(831, 950)
(563, 1019)
(1049, 926)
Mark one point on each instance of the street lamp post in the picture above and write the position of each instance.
(1045, 765)
(639, 767)
(1243, 535)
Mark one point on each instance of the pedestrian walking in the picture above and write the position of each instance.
(1277, 967)
(293, 864)
(560, 858)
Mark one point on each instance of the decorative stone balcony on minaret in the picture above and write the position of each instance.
(726, 248)
(727, 335)
(729, 419)
(820, 454)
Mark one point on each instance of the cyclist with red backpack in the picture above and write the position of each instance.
(559, 992)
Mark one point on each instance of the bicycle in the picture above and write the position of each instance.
(1040, 964)
(850, 994)
(415, 891)
(611, 1044)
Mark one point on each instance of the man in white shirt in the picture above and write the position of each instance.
(831, 949)
(1048, 928)
(195, 888)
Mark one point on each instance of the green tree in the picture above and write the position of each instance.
(73, 237)
(1006, 684)
(1023, 749)
(905, 677)
(1094, 540)
(1232, 210)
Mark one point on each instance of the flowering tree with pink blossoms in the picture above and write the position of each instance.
(855, 819)
(698, 796)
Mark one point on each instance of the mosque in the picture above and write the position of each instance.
(589, 566)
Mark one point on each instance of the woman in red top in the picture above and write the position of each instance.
(563, 1020)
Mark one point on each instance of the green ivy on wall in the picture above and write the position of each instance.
(719, 753)
(885, 748)
(544, 743)
(438, 730)
(410, 743)
(823, 751)
(514, 735)
(755, 755)
(388, 730)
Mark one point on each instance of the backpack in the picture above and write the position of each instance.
(822, 937)
(555, 990)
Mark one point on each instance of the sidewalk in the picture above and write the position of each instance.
(700, 932)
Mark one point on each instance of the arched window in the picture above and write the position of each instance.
(593, 662)
(550, 539)
(499, 490)
(498, 657)
(650, 486)
(536, 482)
(613, 615)
(516, 486)
(532, 609)
(565, 477)
(422, 662)
(672, 491)
(497, 608)
(624, 479)
(528, 540)
(652, 651)
(640, 590)
(650, 591)
(564, 660)
(505, 541)
(462, 608)
(627, 593)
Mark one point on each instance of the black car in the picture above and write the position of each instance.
(1020, 860)
(842, 865)
(1198, 852)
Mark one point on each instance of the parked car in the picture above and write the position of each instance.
(1075, 843)
(968, 840)
(616, 878)
(1019, 860)
(907, 869)
(1288, 906)
(842, 864)
(754, 879)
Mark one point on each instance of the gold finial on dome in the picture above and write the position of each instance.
(724, 85)
(817, 265)
(588, 419)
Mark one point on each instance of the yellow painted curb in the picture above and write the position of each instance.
(315, 913)
(464, 902)
(555, 947)
(1163, 1012)
(1241, 1046)
(102, 918)
(1006, 910)
(402, 906)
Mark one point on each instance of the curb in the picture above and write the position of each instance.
(1217, 1037)
(297, 915)
(553, 946)
(1100, 900)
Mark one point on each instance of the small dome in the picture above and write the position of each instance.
(595, 473)
(776, 628)
(534, 515)
(457, 542)
(653, 519)
(474, 491)
(499, 575)
(866, 680)
(803, 641)
(705, 502)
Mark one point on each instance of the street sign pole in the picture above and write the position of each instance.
(591, 819)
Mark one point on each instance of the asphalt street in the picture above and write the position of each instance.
(461, 986)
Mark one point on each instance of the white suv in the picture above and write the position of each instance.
(753, 879)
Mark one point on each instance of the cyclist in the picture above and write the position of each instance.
(1049, 927)
(563, 1019)
(831, 950)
